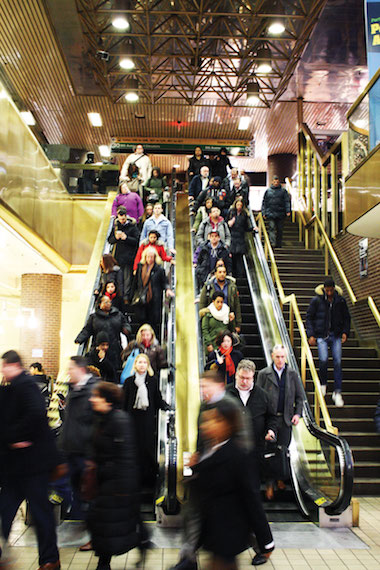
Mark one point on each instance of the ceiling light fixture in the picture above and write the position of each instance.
(104, 150)
(276, 28)
(176, 166)
(235, 150)
(120, 23)
(28, 118)
(131, 93)
(127, 63)
(253, 91)
(263, 58)
(244, 123)
(95, 119)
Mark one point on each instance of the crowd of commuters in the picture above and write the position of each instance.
(106, 449)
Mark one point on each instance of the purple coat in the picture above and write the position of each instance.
(132, 202)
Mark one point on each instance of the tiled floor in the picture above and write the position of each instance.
(361, 556)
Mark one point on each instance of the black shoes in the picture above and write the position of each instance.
(260, 559)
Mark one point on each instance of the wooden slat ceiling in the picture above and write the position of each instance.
(35, 72)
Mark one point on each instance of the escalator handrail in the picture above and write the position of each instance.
(201, 357)
(331, 439)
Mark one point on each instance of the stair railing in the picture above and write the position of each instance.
(295, 315)
(308, 224)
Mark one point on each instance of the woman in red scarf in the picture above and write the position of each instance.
(226, 357)
(111, 291)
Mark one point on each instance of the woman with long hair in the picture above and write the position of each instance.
(226, 357)
(239, 224)
(112, 292)
(150, 282)
(110, 271)
(148, 344)
(142, 399)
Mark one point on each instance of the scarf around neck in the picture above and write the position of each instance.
(223, 315)
(230, 366)
(142, 400)
(146, 271)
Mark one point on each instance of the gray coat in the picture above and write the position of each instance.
(293, 391)
(206, 227)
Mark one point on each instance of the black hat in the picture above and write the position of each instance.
(102, 337)
(155, 232)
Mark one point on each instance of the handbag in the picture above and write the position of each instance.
(89, 482)
(128, 366)
(139, 298)
(276, 460)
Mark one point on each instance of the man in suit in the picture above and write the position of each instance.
(27, 457)
(286, 399)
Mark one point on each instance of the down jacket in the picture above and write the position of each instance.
(317, 316)
(238, 229)
(276, 202)
(114, 514)
(207, 226)
(232, 300)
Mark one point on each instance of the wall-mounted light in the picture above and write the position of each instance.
(244, 123)
(95, 119)
(28, 118)
(276, 28)
(253, 91)
(264, 58)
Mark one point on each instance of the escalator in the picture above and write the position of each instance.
(321, 463)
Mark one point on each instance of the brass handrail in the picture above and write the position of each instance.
(294, 312)
(329, 249)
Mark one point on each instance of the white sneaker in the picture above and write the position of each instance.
(324, 389)
(338, 400)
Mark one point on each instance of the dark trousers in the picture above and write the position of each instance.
(127, 281)
(238, 265)
(284, 432)
(33, 488)
(76, 465)
(276, 226)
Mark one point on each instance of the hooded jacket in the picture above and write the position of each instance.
(276, 202)
(206, 262)
(159, 246)
(163, 226)
(318, 315)
(125, 250)
(207, 226)
(232, 300)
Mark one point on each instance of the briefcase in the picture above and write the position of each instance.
(276, 461)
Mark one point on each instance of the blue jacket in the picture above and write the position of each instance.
(195, 187)
(317, 316)
(163, 226)
(276, 202)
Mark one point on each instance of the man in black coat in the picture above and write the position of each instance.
(27, 456)
(98, 357)
(110, 320)
(199, 182)
(76, 432)
(206, 256)
(286, 397)
(125, 235)
(275, 208)
(328, 323)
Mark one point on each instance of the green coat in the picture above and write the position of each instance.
(211, 328)
(232, 300)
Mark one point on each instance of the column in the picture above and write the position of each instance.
(284, 165)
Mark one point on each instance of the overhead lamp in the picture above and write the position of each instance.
(126, 63)
(120, 23)
(104, 150)
(244, 123)
(28, 118)
(235, 151)
(253, 91)
(95, 119)
(264, 57)
(176, 166)
(131, 93)
(276, 28)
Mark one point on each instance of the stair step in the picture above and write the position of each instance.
(365, 453)
(351, 411)
(359, 438)
(366, 487)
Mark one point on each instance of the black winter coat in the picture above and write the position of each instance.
(195, 165)
(76, 431)
(23, 418)
(105, 366)
(224, 486)
(159, 283)
(318, 316)
(276, 202)
(145, 423)
(114, 514)
(259, 411)
(112, 323)
(219, 196)
(204, 260)
(195, 186)
(238, 230)
(236, 356)
(219, 166)
(294, 394)
(125, 251)
(115, 275)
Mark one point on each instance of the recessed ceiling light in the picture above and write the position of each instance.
(132, 97)
(28, 118)
(176, 166)
(120, 23)
(244, 123)
(276, 28)
(95, 119)
(104, 150)
(127, 63)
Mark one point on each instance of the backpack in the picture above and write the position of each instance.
(128, 366)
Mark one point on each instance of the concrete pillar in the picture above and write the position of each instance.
(284, 165)
(42, 293)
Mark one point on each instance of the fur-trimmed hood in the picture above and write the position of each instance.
(320, 291)
(158, 242)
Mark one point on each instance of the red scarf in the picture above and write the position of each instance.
(110, 295)
(230, 366)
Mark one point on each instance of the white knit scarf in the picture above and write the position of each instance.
(142, 400)
(223, 315)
